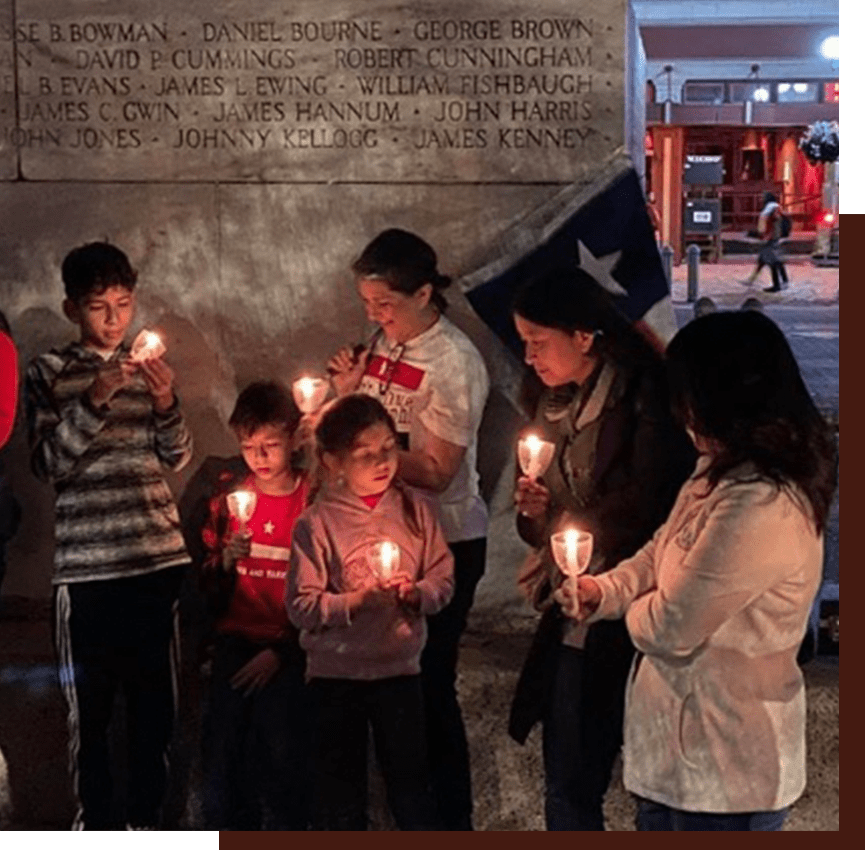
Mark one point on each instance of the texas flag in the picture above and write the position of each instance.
(602, 226)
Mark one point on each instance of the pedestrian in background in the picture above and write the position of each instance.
(770, 228)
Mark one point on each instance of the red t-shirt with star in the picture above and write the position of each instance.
(257, 607)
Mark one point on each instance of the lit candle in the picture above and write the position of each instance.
(148, 345)
(384, 558)
(241, 505)
(572, 551)
(309, 393)
(534, 455)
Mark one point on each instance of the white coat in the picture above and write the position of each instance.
(717, 604)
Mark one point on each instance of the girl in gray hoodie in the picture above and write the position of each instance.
(362, 615)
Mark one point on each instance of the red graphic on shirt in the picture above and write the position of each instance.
(400, 374)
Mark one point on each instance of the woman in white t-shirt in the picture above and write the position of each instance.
(433, 382)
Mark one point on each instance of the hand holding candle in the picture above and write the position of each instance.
(572, 551)
(148, 345)
(309, 393)
(534, 455)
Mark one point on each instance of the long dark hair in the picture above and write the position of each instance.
(569, 299)
(733, 379)
(405, 263)
(344, 422)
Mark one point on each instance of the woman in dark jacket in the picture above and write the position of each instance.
(619, 462)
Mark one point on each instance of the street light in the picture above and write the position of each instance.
(829, 48)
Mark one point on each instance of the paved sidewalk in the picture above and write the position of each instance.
(722, 282)
(507, 778)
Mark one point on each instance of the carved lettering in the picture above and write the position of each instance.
(192, 137)
(263, 110)
(399, 85)
(248, 31)
(301, 138)
(199, 86)
(461, 139)
(98, 32)
(101, 86)
(529, 137)
(285, 92)
(467, 110)
(93, 138)
(375, 111)
(327, 31)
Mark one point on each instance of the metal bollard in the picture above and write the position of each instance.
(693, 272)
(667, 261)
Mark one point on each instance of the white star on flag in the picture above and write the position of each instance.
(600, 268)
(269, 527)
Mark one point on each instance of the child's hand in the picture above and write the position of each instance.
(531, 498)
(257, 672)
(110, 378)
(346, 370)
(407, 592)
(159, 377)
(378, 596)
(238, 547)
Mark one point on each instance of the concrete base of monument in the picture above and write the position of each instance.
(507, 778)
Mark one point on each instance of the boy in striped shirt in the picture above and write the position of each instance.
(102, 428)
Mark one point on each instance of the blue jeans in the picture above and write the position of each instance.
(657, 817)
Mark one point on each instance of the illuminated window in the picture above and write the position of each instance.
(830, 92)
(798, 92)
(708, 94)
(752, 90)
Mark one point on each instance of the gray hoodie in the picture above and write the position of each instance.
(329, 559)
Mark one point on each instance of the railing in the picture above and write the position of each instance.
(740, 207)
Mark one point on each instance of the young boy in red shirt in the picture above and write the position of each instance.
(255, 726)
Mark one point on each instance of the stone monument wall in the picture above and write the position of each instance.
(242, 153)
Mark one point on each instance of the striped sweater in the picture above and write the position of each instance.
(115, 516)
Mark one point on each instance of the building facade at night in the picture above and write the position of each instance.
(735, 85)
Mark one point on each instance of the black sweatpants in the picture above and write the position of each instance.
(446, 735)
(119, 635)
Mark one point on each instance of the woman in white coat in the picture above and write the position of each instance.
(717, 602)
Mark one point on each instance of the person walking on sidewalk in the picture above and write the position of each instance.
(769, 228)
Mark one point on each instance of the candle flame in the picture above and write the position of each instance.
(572, 537)
(384, 558)
(306, 387)
(533, 443)
(309, 393)
(148, 344)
